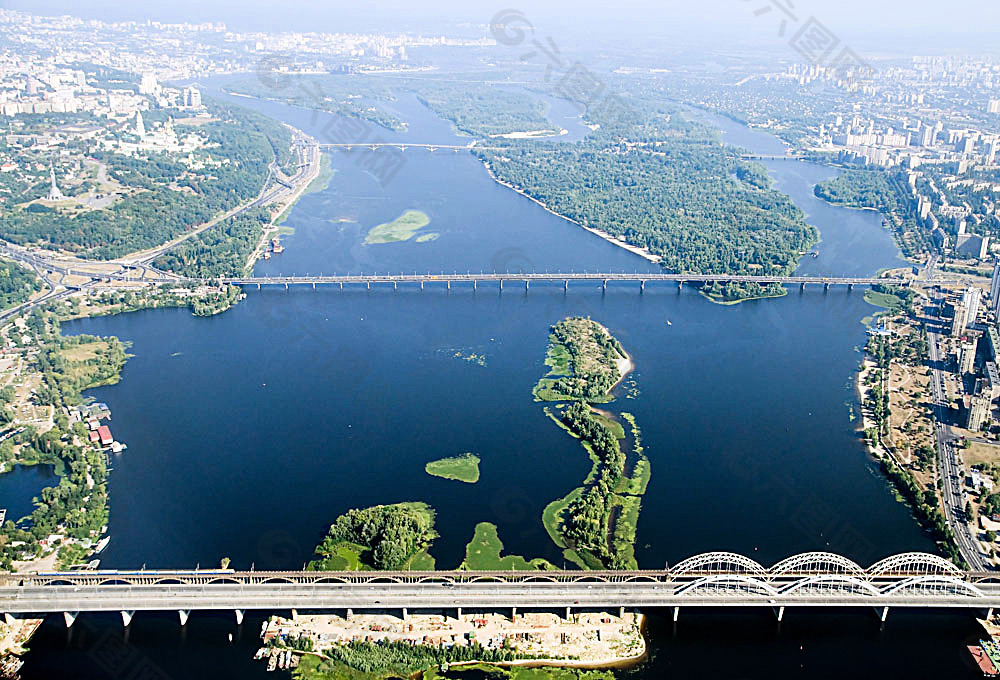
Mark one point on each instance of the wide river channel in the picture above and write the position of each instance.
(249, 432)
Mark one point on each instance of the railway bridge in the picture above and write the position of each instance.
(721, 579)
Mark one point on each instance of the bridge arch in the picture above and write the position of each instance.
(718, 562)
(277, 579)
(832, 584)
(723, 584)
(816, 563)
(224, 579)
(913, 563)
(935, 584)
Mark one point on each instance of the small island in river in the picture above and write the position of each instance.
(403, 228)
(585, 362)
(383, 537)
(464, 468)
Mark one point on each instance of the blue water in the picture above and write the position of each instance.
(250, 431)
(18, 486)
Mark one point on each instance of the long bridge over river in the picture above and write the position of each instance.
(604, 278)
(816, 579)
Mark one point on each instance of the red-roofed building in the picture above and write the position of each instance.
(94, 437)
(104, 432)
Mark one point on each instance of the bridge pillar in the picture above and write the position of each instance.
(350, 614)
(513, 614)
(341, 285)
(567, 614)
(642, 286)
(183, 614)
(826, 286)
(405, 614)
(475, 284)
(449, 284)
(621, 612)
(566, 285)
(421, 284)
(286, 285)
(526, 284)
(127, 617)
(850, 286)
(458, 614)
(314, 285)
(369, 284)
(802, 286)
(677, 612)
(882, 613)
(258, 286)
(604, 286)
(239, 617)
(501, 284)
(779, 612)
(680, 284)
(295, 615)
(394, 285)
(68, 617)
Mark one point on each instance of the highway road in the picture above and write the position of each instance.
(949, 465)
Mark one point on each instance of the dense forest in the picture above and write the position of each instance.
(222, 250)
(485, 110)
(169, 198)
(666, 184)
(583, 355)
(16, 284)
(388, 535)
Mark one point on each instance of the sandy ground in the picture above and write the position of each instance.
(585, 640)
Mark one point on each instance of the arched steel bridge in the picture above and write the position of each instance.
(721, 579)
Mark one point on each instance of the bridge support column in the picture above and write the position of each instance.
(127, 617)
(513, 614)
(405, 614)
(850, 286)
(680, 285)
(568, 614)
(258, 286)
(458, 614)
(68, 617)
(475, 284)
(183, 614)
(566, 285)
(286, 286)
(802, 286)
(526, 284)
(779, 612)
(239, 617)
(350, 614)
(369, 284)
(341, 285)
(314, 285)
(394, 285)
(677, 612)
(501, 284)
(642, 286)
(826, 286)
(621, 612)
(421, 285)
(449, 284)
(882, 613)
(295, 615)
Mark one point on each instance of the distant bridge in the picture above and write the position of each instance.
(401, 146)
(816, 579)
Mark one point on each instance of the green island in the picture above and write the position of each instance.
(464, 468)
(403, 228)
(483, 553)
(422, 662)
(383, 537)
(594, 524)
(586, 360)
(653, 178)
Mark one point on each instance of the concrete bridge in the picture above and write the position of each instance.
(565, 278)
(721, 579)
(401, 146)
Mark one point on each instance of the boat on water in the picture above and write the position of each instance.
(668, 322)
(101, 545)
(982, 659)
(260, 654)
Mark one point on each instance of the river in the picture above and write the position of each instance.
(251, 431)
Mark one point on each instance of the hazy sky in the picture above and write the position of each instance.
(919, 25)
